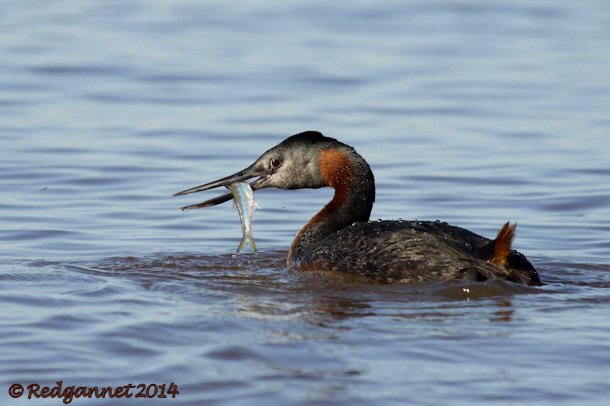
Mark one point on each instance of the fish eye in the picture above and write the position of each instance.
(275, 163)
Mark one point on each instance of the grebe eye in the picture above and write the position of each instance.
(275, 163)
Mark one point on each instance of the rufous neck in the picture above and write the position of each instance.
(354, 184)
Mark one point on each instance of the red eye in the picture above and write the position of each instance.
(275, 163)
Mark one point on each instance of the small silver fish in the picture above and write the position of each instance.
(244, 201)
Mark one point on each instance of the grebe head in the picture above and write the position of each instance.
(292, 164)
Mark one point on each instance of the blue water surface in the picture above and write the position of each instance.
(471, 112)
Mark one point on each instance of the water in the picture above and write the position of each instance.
(468, 111)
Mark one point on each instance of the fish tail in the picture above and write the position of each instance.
(247, 238)
(252, 243)
(242, 243)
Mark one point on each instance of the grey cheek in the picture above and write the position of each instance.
(281, 179)
(314, 173)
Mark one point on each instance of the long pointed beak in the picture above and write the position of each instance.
(240, 176)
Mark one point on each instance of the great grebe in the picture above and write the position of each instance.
(340, 237)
